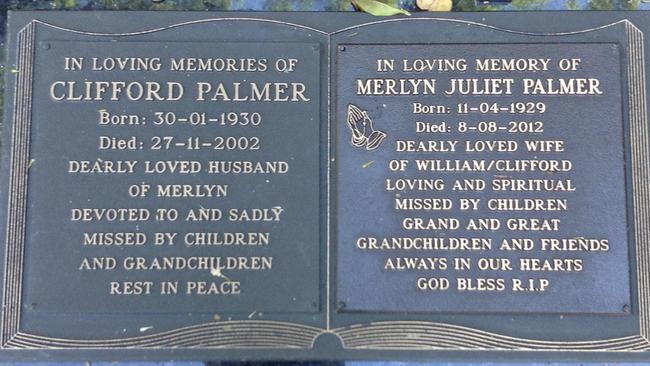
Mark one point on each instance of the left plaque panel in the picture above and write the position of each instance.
(173, 177)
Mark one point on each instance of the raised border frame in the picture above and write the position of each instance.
(388, 335)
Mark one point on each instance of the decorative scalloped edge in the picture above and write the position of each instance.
(388, 335)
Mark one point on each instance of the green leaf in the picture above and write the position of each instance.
(377, 8)
(366, 165)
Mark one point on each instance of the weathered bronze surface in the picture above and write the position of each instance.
(300, 186)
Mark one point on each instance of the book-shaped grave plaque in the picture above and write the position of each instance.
(305, 186)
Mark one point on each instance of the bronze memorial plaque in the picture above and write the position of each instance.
(472, 174)
(295, 186)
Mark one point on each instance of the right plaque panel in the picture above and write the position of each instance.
(481, 178)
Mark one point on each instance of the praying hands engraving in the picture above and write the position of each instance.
(363, 130)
